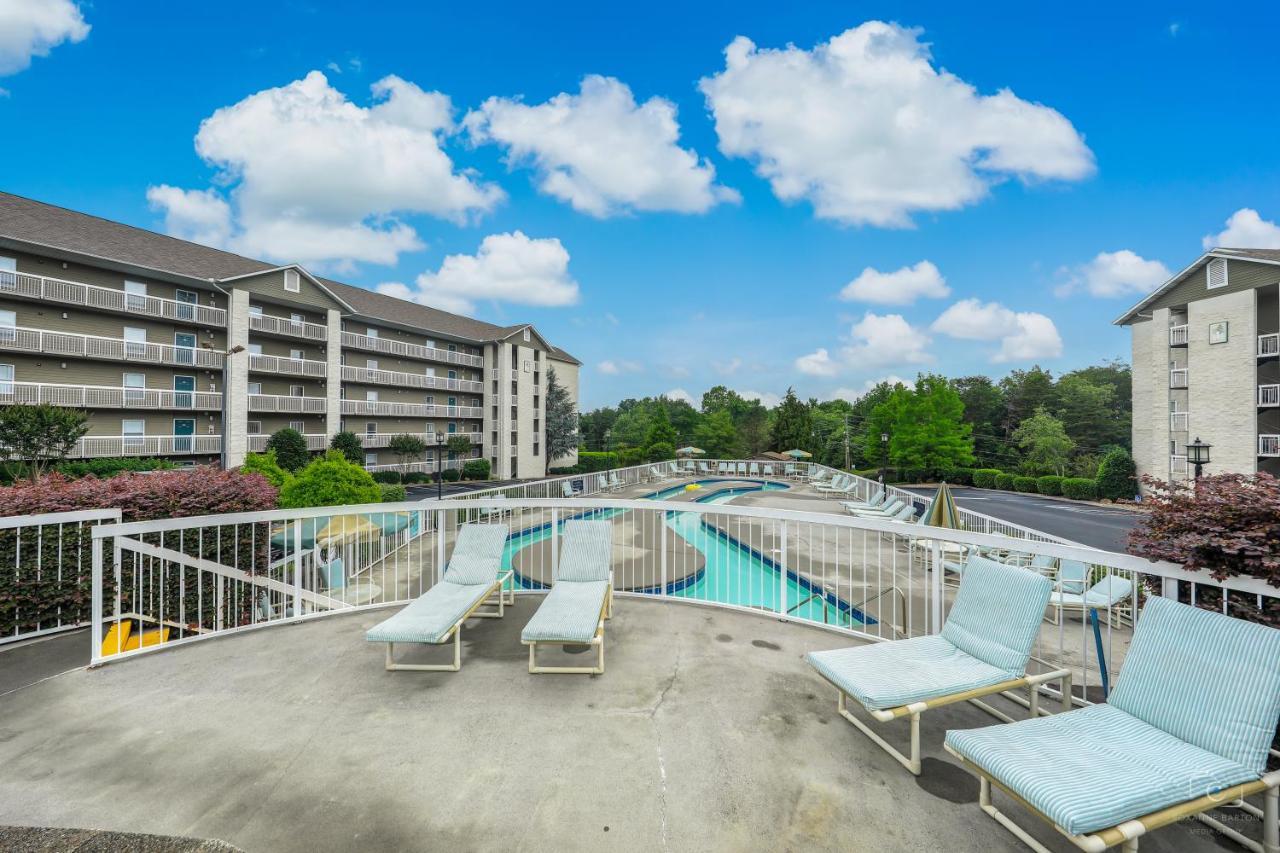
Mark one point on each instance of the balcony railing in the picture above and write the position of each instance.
(290, 366)
(1178, 336)
(1268, 395)
(1178, 377)
(285, 326)
(48, 289)
(372, 441)
(1177, 464)
(391, 346)
(425, 467)
(115, 349)
(315, 441)
(409, 380)
(1269, 445)
(282, 403)
(1269, 344)
(1178, 421)
(409, 410)
(106, 397)
(145, 445)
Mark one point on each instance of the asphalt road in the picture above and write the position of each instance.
(1096, 526)
(427, 491)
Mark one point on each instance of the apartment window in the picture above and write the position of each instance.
(135, 341)
(453, 427)
(255, 310)
(254, 427)
(255, 349)
(292, 281)
(298, 426)
(431, 345)
(371, 428)
(431, 399)
(297, 318)
(535, 449)
(188, 299)
(8, 264)
(453, 374)
(133, 432)
(371, 458)
(453, 401)
(373, 333)
(296, 391)
(134, 383)
(297, 354)
(135, 295)
(453, 347)
(8, 324)
(431, 371)
(1216, 273)
(372, 364)
(255, 387)
(6, 379)
(371, 396)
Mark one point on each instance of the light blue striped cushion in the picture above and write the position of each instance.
(477, 554)
(429, 617)
(1096, 767)
(570, 613)
(586, 550)
(889, 675)
(997, 612)
(1208, 679)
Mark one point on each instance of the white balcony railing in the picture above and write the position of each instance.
(285, 326)
(1269, 344)
(391, 346)
(106, 397)
(424, 467)
(145, 445)
(1177, 464)
(1268, 395)
(290, 366)
(373, 441)
(1178, 336)
(392, 408)
(1178, 421)
(315, 441)
(1178, 377)
(115, 349)
(409, 380)
(1269, 445)
(47, 289)
(282, 403)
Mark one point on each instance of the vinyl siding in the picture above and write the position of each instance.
(1241, 275)
(270, 286)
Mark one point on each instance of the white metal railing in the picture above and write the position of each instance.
(116, 349)
(1269, 344)
(315, 441)
(1178, 377)
(106, 397)
(290, 366)
(383, 439)
(1178, 336)
(871, 579)
(1178, 421)
(409, 410)
(48, 571)
(48, 289)
(284, 403)
(1269, 445)
(1177, 463)
(1269, 395)
(287, 326)
(92, 446)
(421, 467)
(409, 380)
(403, 348)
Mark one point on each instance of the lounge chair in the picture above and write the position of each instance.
(768, 470)
(983, 649)
(877, 500)
(566, 489)
(614, 483)
(742, 469)
(1106, 594)
(487, 511)
(883, 511)
(1186, 730)
(471, 580)
(581, 598)
(1073, 577)
(602, 484)
(722, 467)
(753, 470)
(703, 469)
(657, 474)
(789, 470)
(838, 483)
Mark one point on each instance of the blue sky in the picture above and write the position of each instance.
(674, 221)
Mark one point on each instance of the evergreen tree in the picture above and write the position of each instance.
(1045, 444)
(561, 424)
(290, 447)
(660, 429)
(984, 411)
(350, 445)
(717, 436)
(792, 424)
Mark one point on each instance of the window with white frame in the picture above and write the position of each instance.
(297, 354)
(254, 427)
(255, 387)
(296, 391)
(134, 385)
(371, 428)
(297, 318)
(133, 434)
(372, 333)
(8, 326)
(372, 364)
(8, 264)
(298, 426)
(292, 281)
(6, 379)
(255, 349)
(255, 310)
(371, 396)
(135, 341)
(135, 298)
(371, 457)
(526, 335)
(1216, 273)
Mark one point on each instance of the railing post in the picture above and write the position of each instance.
(662, 548)
(96, 611)
(936, 587)
(439, 544)
(782, 572)
(555, 544)
(297, 568)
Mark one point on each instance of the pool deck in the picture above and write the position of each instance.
(707, 732)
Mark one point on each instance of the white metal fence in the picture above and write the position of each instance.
(48, 289)
(106, 397)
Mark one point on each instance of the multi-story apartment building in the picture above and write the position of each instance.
(189, 352)
(1206, 364)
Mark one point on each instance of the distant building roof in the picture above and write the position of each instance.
(1263, 256)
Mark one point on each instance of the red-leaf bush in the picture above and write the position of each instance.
(1227, 525)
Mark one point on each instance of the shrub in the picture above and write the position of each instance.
(591, 460)
(266, 465)
(958, 476)
(291, 449)
(565, 471)
(387, 477)
(392, 492)
(1079, 488)
(39, 435)
(330, 481)
(416, 477)
(475, 469)
(629, 456)
(100, 468)
(985, 478)
(1226, 524)
(1024, 484)
(1116, 478)
(1050, 484)
(205, 490)
(350, 445)
(450, 475)
(662, 451)
(1005, 481)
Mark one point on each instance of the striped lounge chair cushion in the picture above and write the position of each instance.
(586, 550)
(428, 618)
(997, 613)
(477, 554)
(889, 675)
(569, 614)
(1097, 767)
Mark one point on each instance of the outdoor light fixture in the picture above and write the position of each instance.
(1198, 454)
(440, 443)
(884, 457)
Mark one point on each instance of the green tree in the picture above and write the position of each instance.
(39, 436)
(350, 445)
(1088, 412)
(459, 445)
(1116, 475)
(1045, 444)
(290, 447)
(881, 421)
(406, 447)
(930, 432)
(660, 429)
(661, 451)
(792, 424)
(753, 430)
(717, 436)
(1024, 392)
(330, 480)
(593, 425)
(984, 411)
(266, 465)
(560, 427)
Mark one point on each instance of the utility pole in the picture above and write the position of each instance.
(846, 441)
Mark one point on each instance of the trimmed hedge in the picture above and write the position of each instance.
(475, 469)
(985, 478)
(1005, 481)
(1050, 484)
(594, 460)
(416, 477)
(392, 492)
(1024, 484)
(450, 475)
(958, 476)
(387, 477)
(1079, 488)
(1116, 475)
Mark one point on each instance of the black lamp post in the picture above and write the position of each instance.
(1198, 455)
(441, 439)
(884, 457)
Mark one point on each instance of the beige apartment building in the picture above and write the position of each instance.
(1206, 364)
(188, 352)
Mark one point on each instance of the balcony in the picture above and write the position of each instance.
(282, 403)
(391, 408)
(288, 366)
(46, 289)
(1268, 395)
(1269, 345)
(145, 445)
(409, 380)
(315, 441)
(391, 346)
(1178, 377)
(288, 328)
(106, 397)
(427, 467)
(1178, 336)
(113, 349)
(1178, 421)
(1269, 445)
(1177, 464)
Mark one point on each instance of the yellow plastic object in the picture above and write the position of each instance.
(117, 638)
(147, 638)
(692, 487)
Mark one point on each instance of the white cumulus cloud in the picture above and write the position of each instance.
(317, 178)
(681, 395)
(1245, 230)
(30, 28)
(817, 363)
(202, 216)
(1021, 335)
(877, 340)
(868, 131)
(509, 268)
(602, 152)
(900, 287)
(1115, 274)
(767, 398)
(616, 368)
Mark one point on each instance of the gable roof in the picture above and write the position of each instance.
(379, 306)
(560, 355)
(1263, 256)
